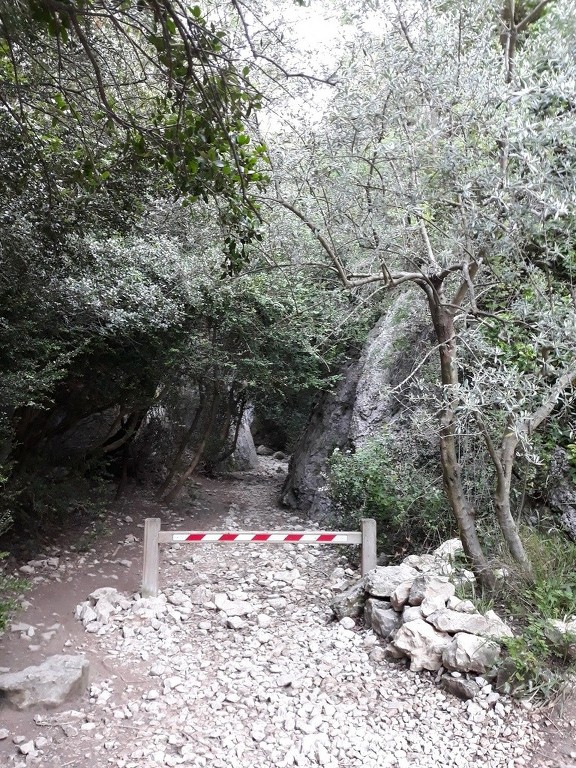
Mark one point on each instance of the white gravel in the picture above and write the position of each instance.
(238, 664)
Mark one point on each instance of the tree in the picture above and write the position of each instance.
(107, 112)
(438, 164)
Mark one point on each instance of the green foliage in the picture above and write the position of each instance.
(380, 481)
(278, 339)
(540, 656)
(42, 499)
(9, 585)
(552, 591)
(532, 667)
(107, 113)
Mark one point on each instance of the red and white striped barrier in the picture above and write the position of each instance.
(271, 537)
(154, 536)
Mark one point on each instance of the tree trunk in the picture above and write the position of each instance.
(443, 320)
(171, 495)
(503, 462)
(182, 447)
(508, 525)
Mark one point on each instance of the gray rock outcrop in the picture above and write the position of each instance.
(50, 684)
(561, 495)
(358, 407)
(244, 456)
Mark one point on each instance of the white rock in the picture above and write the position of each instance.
(399, 597)
(107, 593)
(178, 598)
(449, 549)
(470, 653)
(236, 607)
(383, 580)
(235, 622)
(49, 684)
(27, 748)
(431, 588)
(446, 620)
(200, 595)
(347, 622)
(422, 644)
(497, 628)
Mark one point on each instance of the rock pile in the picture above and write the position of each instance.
(414, 608)
(100, 609)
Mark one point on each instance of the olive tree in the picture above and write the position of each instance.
(443, 161)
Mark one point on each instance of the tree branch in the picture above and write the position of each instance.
(531, 423)
(533, 16)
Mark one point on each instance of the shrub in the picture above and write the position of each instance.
(540, 656)
(8, 584)
(406, 500)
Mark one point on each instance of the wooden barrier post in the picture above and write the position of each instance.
(369, 553)
(151, 557)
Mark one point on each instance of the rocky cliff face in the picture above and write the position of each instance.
(363, 402)
(561, 494)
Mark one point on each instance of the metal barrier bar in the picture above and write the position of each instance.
(154, 536)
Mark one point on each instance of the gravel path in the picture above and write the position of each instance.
(238, 664)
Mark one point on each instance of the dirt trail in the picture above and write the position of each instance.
(257, 698)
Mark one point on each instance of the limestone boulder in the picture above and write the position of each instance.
(464, 606)
(383, 580)
(432, 604)
(235, 608)
(571, 626)
(423, 644)
(368, 608)
(461, 687)
(411, 613)
(350, 602)
(399, 597)
(434, 589)
(110, 594)
(497, 628)
(555, 630)
(384, 620)
(449, 550)
(470, 653)
(244, 456)
(104, 611)
(430, 564)
(563, 635)
(49, 684)
(466, 619)
(446, 620)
